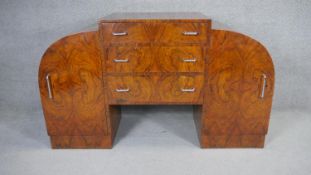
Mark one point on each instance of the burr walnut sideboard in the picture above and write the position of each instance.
(162, 59)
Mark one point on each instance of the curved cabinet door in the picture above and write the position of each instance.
(70, 82)
(239, 88)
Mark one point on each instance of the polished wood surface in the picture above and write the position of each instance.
(155, 89)
(148, 59)
(77, 105)
(157, 32)
(233, 102)
(155, 59)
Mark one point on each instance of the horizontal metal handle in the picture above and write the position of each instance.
(264, 83)
(122, 90)
(47, 79)
(121, 60)
(119, 33)
(191, 33)
(192, 60)
(188, 90)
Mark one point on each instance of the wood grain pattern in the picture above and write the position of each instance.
(113, 114)
(155, 59)
(140, 59)
(155, 89)
(156, 32)
(232, 105)
(178, 59)
(78, 104)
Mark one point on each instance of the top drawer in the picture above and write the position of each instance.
(145, 32)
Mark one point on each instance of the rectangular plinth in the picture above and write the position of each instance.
(232, 141)
(79, 142)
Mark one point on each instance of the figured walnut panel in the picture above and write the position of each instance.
(154, 59)
(136, 32)
(140, 88)
(232, 102)
(157, 32)
(170, 89)
(178, 59)
(140, 59)
(154, 89)
(173, 33)
(77, 106)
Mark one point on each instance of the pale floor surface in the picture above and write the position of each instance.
(155, 140)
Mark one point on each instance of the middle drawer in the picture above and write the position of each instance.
(154, 59)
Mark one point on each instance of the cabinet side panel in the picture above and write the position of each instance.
(70, 82)
(239, 87)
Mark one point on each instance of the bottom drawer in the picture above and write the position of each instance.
(155, 89)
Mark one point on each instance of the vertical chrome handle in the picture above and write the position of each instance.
(188, 90)
(264, 83)
(48, 84)
(190, 60)
(121, 60)
(190, 33)
(119, 33)
(122, 90)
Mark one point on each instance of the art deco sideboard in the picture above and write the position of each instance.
(161, 59)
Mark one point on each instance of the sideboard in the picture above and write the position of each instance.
(156, 59)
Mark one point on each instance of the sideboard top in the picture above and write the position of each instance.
(155, 16)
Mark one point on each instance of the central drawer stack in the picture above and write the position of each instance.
(154, 61)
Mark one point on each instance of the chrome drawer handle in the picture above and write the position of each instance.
(121, 60)
(192, 60)
(191, 33)
(264, 83)
(122, 90)
(47, 79)
(188, 90)
(119, 33)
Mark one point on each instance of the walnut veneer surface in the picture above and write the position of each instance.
(156, 58)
